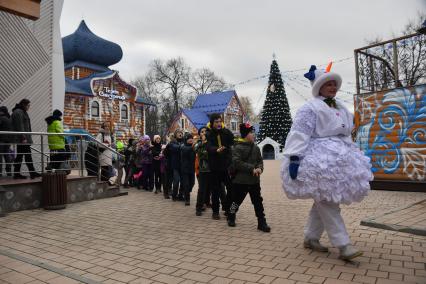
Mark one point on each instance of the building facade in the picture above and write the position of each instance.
(95, 94)
(31, 61)
(225, 103)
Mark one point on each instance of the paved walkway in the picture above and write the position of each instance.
(142, 238)
(408, 219)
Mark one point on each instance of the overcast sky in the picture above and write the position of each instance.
(236, 38)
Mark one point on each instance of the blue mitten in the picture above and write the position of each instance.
(293, 166)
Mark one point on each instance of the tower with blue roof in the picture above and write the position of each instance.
(95, 93)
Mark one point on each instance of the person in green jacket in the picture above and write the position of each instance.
(248, 165)
(56, 142)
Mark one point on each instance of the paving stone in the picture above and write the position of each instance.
(143, 238)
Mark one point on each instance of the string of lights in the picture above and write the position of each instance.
(303, 83)
(309, 87)
(296, 91)
(322, 65)
(288, 71)
(263, 93)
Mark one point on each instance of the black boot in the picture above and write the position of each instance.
(231, 219)
(215, 216)
(262, 225)
(34, 175)
(19, 176)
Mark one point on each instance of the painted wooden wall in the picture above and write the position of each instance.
(177, 124)
(234, 112)
(392, 132)
(76, 116)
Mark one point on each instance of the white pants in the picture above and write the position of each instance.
(326, 215)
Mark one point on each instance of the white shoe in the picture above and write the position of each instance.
(314, 245)
(349, 252)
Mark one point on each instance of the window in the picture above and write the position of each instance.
(234, 126)
(124, 112)
(182, 123)
(94, 109)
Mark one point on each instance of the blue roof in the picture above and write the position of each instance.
(144, 101)
(88, 65)
(85, 46)
(82, 86)
(198, 118)
(213, 103)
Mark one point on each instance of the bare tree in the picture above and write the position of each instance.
(203, 81)
(171, 86)
(377, 68)
(166, 115)
(248, 108)
(147, 89)
(171, 78)
(412, 53)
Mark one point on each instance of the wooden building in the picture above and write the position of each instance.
(225, 103)
(95, 94)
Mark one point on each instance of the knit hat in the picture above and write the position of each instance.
(245, 129)
(144, 138)
(57, 113)
(319, 77)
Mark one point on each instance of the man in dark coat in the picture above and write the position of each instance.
(21, 122)
(187, 167)
(167, 188)
(5, 140)
(219, 143)
(175, 156)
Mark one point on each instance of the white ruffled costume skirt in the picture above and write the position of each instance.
(331, 170)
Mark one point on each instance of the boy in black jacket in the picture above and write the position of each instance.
(219, 143)
(248, 164)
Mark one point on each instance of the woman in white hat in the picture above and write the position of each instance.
(322, 162)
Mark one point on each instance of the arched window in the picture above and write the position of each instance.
(124, 112)
(94, 109)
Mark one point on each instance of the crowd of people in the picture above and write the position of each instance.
(226, 168)
(320, 162)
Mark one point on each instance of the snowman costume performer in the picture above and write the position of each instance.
(323, 163)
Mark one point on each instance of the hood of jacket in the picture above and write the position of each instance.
(4, 111)
(50, 119)
(18, 106)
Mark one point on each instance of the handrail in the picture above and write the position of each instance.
(38, 151)
(45, 133)
(387, 41)
(93, 139)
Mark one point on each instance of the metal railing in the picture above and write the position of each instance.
(83, 155)
(400, 62)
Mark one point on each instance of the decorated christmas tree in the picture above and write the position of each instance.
(276, 118)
